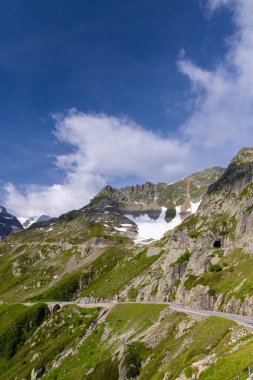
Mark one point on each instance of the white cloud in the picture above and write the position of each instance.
(112, 147)
(214, 4)
(222, 121)
(52, 200)
(104, 148)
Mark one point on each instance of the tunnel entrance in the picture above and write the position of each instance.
(56, 308)
(217, 244)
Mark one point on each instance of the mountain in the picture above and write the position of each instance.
(27, 222)
(105, 229)
(8, 223)
(150, 198)
(208, 258)
(94, 254)
(156, 208)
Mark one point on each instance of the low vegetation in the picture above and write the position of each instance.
(144, 341)
(182, 259)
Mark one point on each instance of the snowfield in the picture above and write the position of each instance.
(194, 207)
(150, 229)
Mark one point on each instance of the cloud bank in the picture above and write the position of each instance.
(104, 148)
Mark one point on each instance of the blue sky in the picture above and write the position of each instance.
(129, 64)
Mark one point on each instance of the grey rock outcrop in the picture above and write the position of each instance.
(37, 373)
(149, 198)
(8, 223)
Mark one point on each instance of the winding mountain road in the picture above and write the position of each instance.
(240, 319)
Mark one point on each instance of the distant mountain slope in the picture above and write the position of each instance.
(27, 222)
(8, 223)
(150, 198)
(157, 208)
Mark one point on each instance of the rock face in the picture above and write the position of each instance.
(151, 207)
(207, 258)
(150, 198)
(37, 373)
(8, 223)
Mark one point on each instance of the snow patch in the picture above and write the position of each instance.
(194, 207)
(172, 183)
(22, 220)
(154, 229)
(27, 222)
(121, 229)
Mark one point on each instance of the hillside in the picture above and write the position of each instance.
(93, 254)
(126, 342)
(83, 247)
(208, 258)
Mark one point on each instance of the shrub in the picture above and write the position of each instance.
(190, 282)
(133, 365)
(211, 292)
(182, 259)
(188, 372)
(215, 268)
(194, 234)
(104, 370)
(132, 294)
(170, 212)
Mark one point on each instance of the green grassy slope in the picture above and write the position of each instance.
(58, 333)
(145, 341)
(34, 261)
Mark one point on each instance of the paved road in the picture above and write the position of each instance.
(240, 319)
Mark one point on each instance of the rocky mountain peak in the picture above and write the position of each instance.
(2, 209)
(8, 223)
(238, 174)
(108, 190)
(244, 156)
(162, 194)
